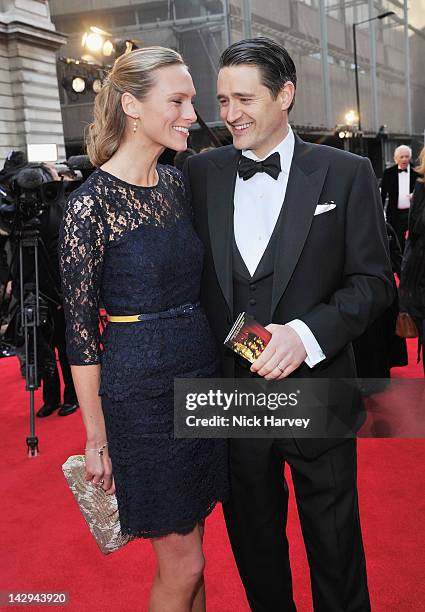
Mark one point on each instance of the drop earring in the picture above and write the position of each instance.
(134, 127)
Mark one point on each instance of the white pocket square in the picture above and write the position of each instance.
(322, 208)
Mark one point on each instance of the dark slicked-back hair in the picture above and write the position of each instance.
(273, 60)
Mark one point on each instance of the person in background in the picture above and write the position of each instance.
(4, 266)
(50, 222)
(51, 336)
(412, 282)
(397, 185)
(379, 348)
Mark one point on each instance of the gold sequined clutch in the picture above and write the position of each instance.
(99, 510)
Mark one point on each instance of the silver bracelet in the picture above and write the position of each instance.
(99, 451)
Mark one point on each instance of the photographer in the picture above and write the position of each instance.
(3, 262)
(51, 333)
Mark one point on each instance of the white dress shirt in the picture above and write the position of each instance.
(404, 190)
(257, 205)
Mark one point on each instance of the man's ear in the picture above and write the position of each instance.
(286, 95)
(129, 105)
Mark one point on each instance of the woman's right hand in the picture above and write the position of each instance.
(99, 469)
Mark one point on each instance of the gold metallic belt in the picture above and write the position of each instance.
(123, 319)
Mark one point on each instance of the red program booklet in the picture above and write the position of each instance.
(247, 337)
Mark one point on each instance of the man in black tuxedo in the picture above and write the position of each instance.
(398, 183)
(294, 234)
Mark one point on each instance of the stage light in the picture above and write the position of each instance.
(351, 117)
(97, 85)
(93, 42)
(78, 84)
(108, 48)
(341, 134)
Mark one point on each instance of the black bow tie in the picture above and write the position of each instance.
(402, 170)
(249, 167)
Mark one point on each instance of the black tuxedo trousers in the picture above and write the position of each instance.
(326, 496)
(331, 271)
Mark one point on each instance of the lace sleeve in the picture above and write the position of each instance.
(81, 249)
(181, 185)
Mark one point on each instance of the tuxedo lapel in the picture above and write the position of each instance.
(394, 179)
(220, 192)
(305, 183)
(413, 177)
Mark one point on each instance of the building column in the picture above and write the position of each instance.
(29, 97)
(373, 73)
(407, 68)
(247, 18)
(330, 124)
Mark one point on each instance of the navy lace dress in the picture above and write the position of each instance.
(134, 250)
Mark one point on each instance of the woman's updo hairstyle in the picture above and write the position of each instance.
(133, 72)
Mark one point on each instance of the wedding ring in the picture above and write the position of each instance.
(279, 368)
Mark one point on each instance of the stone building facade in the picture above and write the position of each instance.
(30, 110)
(317, 33)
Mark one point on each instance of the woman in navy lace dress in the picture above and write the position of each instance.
(127, 240)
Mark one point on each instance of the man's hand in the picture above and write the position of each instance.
(284, 353)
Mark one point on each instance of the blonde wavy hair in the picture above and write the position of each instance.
(132, 72)
(421, 167)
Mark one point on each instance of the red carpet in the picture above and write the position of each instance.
(47, 547)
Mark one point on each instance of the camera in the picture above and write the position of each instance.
(25, 195)
(32, 195)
